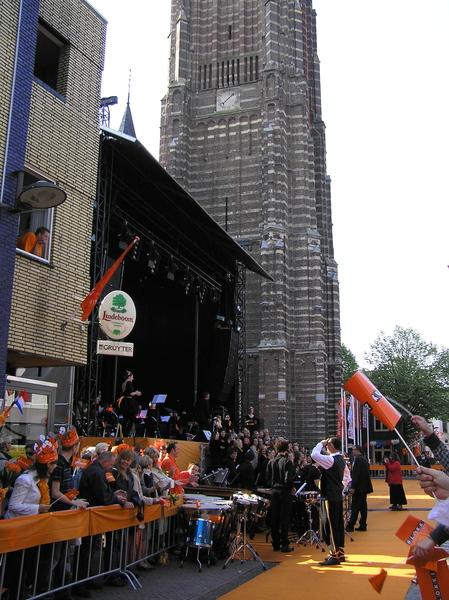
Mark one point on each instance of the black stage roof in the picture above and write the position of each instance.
(156, 202)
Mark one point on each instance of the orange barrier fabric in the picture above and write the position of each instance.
(25, 532)
(110, 518)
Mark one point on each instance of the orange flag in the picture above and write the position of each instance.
(91, 299)
(82, 463)
(361, 388)
(434, 584)
(71, 494)
(23, 462)
(410, 527)
(377, 581)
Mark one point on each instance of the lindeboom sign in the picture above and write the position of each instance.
(117, 315)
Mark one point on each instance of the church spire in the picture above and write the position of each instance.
(127, 125)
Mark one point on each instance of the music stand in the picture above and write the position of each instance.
(158, 399)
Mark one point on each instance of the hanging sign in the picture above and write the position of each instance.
(117, 315)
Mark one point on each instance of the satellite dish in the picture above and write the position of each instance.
(41, 194)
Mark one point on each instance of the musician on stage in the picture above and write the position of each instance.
(335, 477)
(280, 476)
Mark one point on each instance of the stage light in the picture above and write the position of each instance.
(171, 268)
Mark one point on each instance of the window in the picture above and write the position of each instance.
(50, 62)
(31, 221)
(379, 426)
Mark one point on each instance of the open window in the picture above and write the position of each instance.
(51, 59)
(32, 221)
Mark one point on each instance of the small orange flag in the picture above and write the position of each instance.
(71, 494)
(82, 463)
(377, 581)
(110, 477)
(23, 462)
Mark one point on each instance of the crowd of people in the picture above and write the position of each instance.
(133, 477)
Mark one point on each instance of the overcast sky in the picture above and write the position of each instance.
(385, 102)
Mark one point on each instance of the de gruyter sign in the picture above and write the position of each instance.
(117, 315)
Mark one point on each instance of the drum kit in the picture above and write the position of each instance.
(210, 520)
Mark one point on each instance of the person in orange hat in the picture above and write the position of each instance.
(31, 496)
(61, 478)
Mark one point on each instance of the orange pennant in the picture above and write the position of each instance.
(110, 477)
(377, 581)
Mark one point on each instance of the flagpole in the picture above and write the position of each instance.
(406, 445)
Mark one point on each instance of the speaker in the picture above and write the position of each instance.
(225, 352)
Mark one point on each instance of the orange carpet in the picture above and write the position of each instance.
(299, 576)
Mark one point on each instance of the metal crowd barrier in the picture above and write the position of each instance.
(116, 541)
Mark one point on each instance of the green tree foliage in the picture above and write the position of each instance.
(412, 372)
(349, 363)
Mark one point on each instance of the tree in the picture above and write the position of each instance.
(349, 363)
(412, 372)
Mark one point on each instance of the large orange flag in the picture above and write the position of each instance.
(91, 299)
(364, 391)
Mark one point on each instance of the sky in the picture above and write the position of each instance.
(385, 102)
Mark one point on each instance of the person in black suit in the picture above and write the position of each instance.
(360, 486)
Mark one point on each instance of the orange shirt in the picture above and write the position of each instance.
(166, 465)
(27, 243)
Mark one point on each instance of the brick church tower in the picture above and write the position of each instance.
(242, 132)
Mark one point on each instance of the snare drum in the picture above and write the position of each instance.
(200, 533)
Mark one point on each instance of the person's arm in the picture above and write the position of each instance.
(56, 494)
(324, 460)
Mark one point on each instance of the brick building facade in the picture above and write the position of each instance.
(48, 131)
(242, 132)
